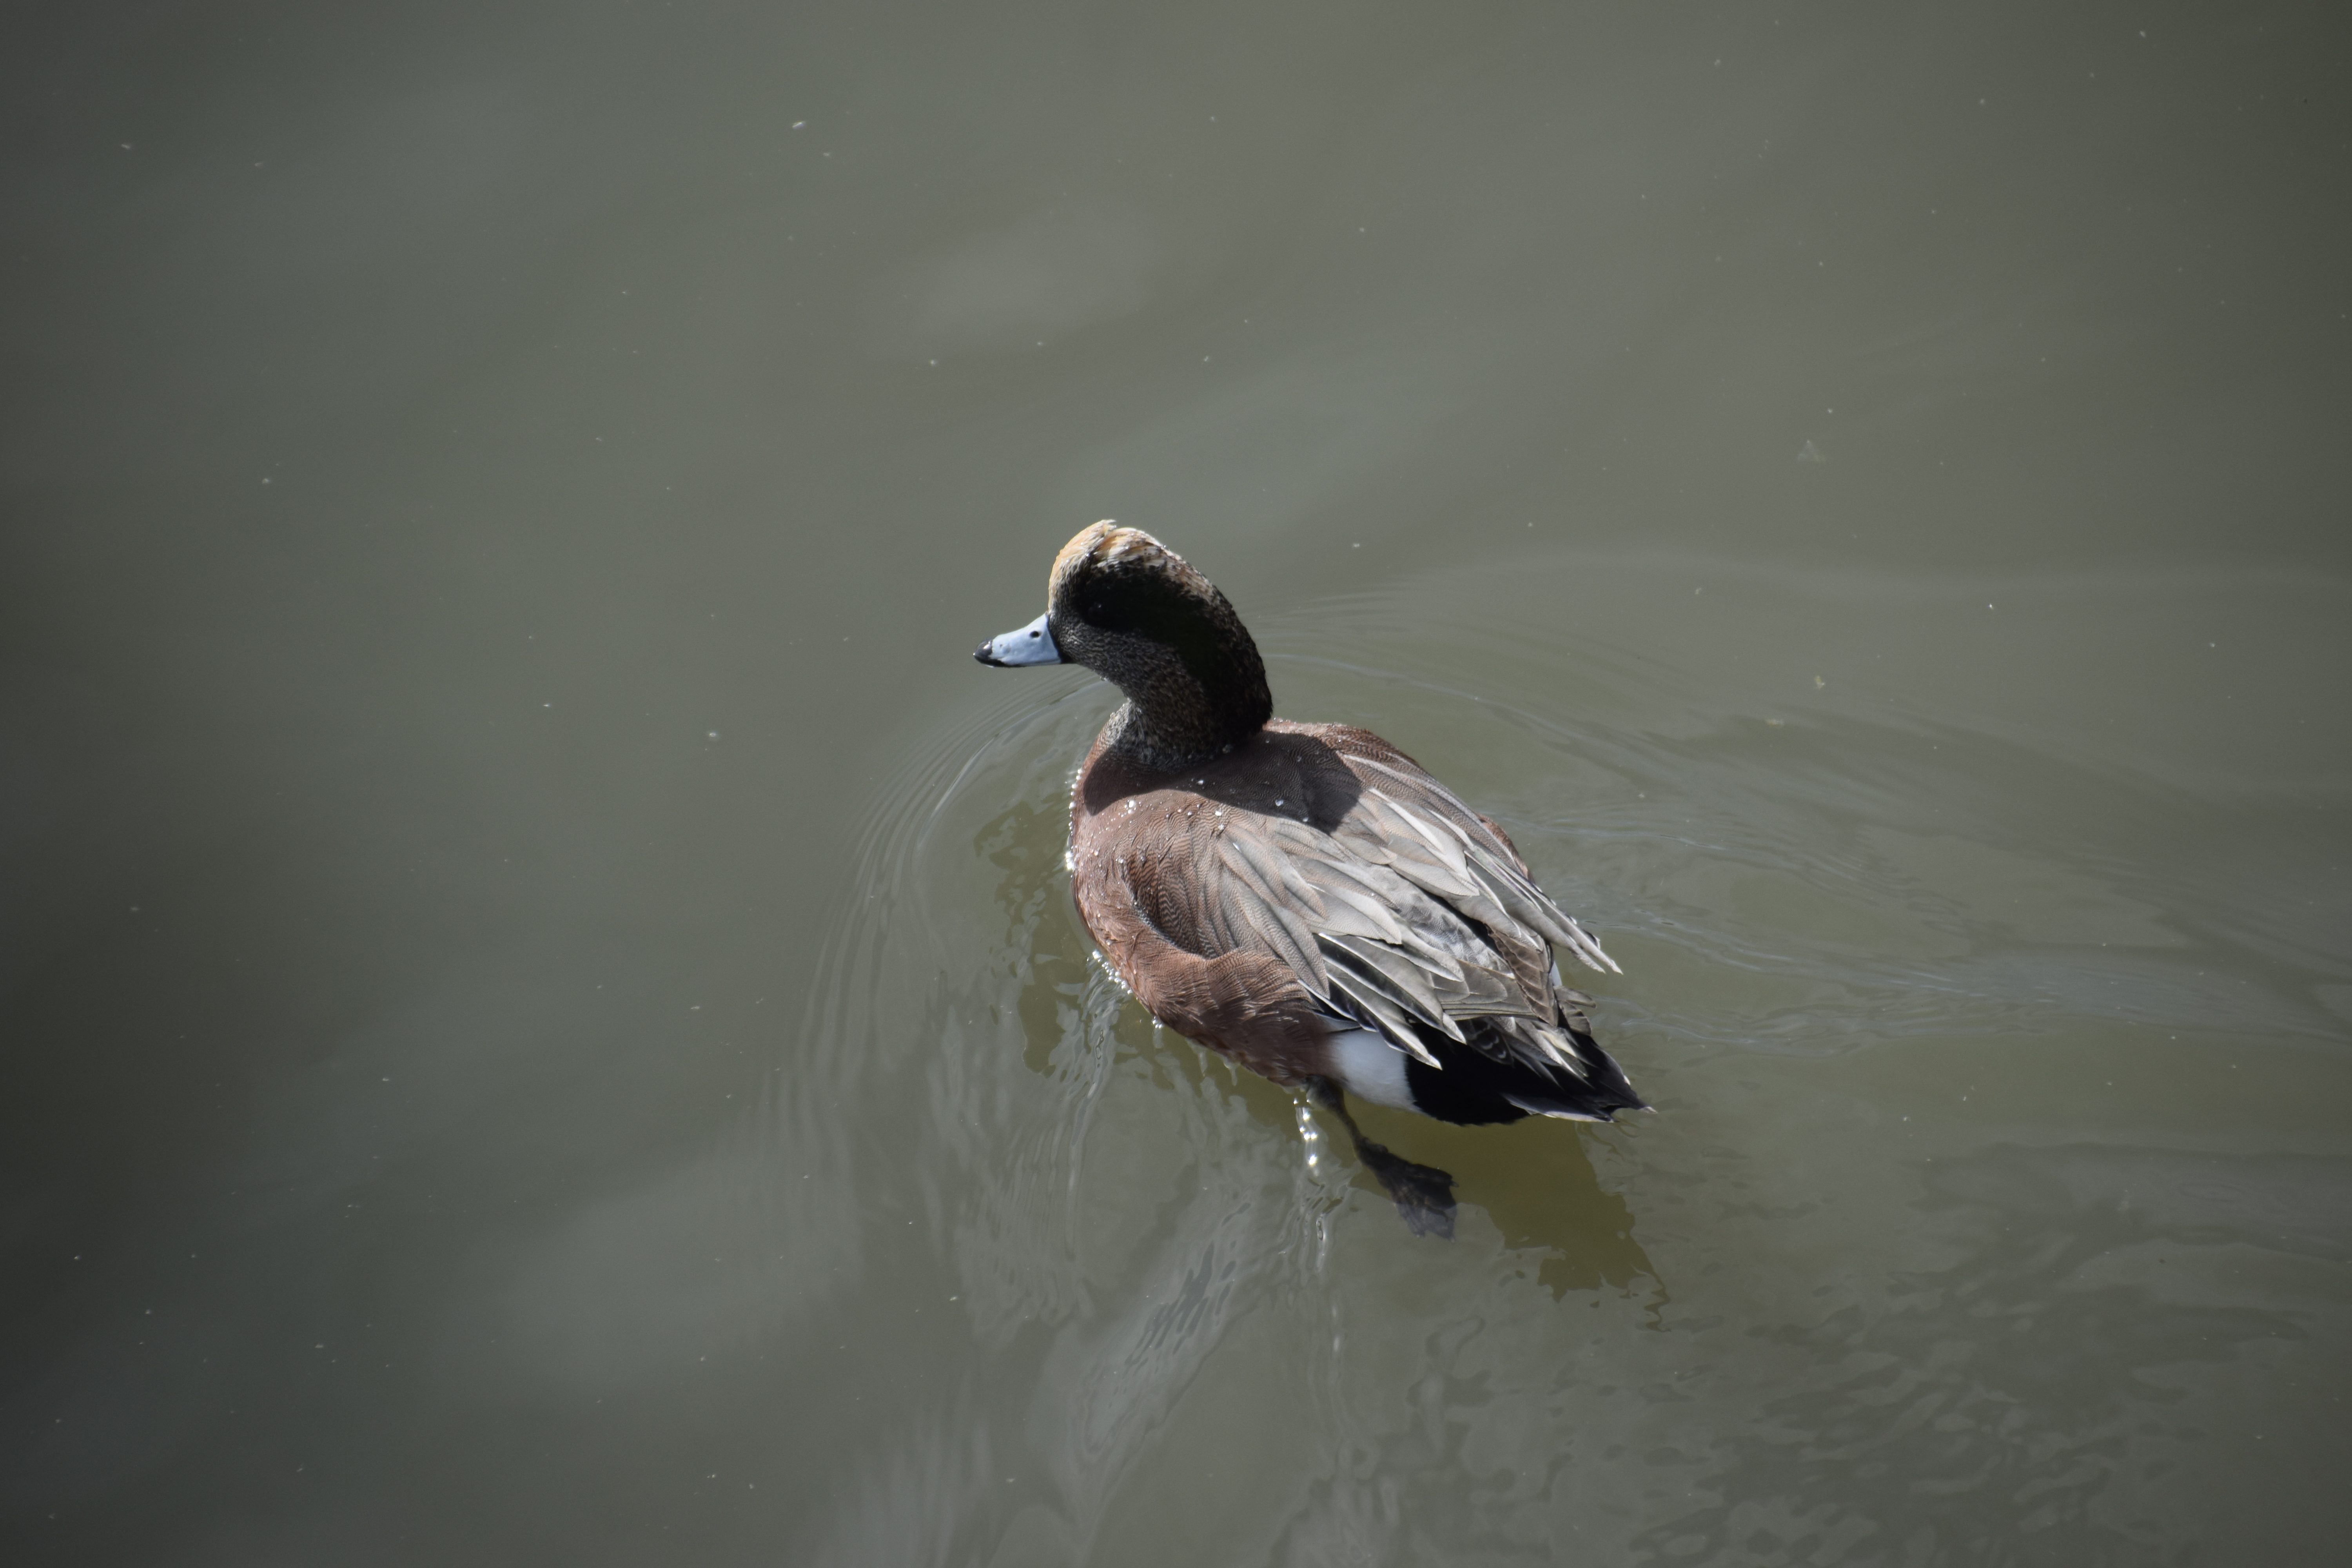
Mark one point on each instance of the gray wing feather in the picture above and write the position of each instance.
(1376, 920)
(1475, 856)
(1282, 911)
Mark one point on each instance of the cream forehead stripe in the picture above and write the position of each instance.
(1121, 542)
(1106, 542)
(1080, 545)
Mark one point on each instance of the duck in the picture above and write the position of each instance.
(1304, 898)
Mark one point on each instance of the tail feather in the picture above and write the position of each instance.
(1471, 1087)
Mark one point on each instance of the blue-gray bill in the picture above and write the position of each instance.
(1032, 644)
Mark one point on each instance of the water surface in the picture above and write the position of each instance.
(543, 1013)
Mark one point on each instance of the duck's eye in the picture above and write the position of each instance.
(1137, 604)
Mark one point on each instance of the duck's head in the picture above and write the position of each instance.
(1137, 614)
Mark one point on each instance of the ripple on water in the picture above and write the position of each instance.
(1851, 1283)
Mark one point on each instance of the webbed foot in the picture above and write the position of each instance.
(1423, 1194)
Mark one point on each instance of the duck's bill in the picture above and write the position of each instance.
(1032, 644)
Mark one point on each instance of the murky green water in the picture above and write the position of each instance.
(543, 1014)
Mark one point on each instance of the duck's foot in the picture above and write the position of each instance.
(1423, 1194)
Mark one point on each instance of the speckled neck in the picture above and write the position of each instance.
(1167, 742)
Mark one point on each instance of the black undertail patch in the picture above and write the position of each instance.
(1471, 1087)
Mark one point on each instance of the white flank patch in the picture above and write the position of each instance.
(1369, 1068)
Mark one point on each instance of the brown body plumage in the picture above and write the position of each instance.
(1303, 898)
